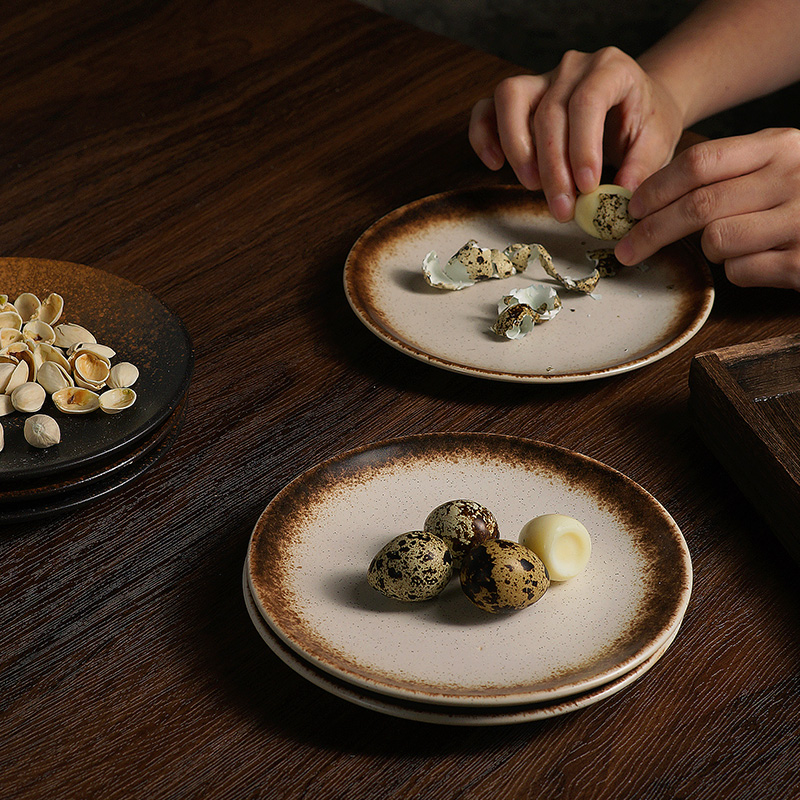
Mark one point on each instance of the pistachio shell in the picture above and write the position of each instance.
(11, 319)
(42, 430)
(46, 352)
(68, 333)
(90, 368)
(91, 347)
(28, 397)
(50, 310)
(76, 400)
(115, 400)
(18, 377)
(6, 371)
(27, 305)
(37, 331)
(123, 375)
(52, 377)
(6, 406)
(9, 336)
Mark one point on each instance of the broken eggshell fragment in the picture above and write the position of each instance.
(521, 309)
(603, 213)
(470, 264)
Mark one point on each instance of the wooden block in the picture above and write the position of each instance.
(745, 406)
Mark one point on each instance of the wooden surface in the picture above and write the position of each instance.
(226, 156)
(745, 405)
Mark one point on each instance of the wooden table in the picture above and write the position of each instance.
(226, 156)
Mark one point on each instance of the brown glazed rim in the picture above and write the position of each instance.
(139, 327)
(654, 530)
(455, 203)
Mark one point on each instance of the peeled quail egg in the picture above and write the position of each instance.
(603, 213)
(561, 542)
(462, 524)
(499, 575)
(413, 566)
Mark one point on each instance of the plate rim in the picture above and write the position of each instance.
(680, 606)
(469, 715)
(361, 308)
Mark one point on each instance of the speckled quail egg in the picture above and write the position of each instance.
(462, 524)
(603, 213)
(561, 542)
(413, 566)
(499, 575)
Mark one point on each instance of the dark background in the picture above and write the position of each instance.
(535, 33)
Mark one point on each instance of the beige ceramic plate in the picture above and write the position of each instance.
(310, 550)
(442, 715)
(637, 317)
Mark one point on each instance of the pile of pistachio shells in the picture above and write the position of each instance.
(41, 356)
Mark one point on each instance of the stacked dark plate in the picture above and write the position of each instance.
(98, 453)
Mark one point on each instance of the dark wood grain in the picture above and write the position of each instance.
(226, 156)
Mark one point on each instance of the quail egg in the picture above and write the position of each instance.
(413, 566)
(499, 575)
(462, 524)
(603, 213)
(561, 542)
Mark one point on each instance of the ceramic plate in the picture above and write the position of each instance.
(441, 715)
(138, 327)
(637, 317)
(312, 546)
(42, 489)
(93, 492)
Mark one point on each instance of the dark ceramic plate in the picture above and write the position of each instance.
(42, 489)
(123, 316)
(84, 495)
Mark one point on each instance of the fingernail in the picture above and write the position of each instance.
(562, 207)
(624, 251)
(585, 180)
(493, 158)
(635, 207)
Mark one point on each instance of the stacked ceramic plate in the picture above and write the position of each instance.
(444, 660)
(98, 453)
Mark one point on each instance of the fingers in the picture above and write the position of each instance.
(701, 207)
(703, 164)
(779, 269)
(483, 134)
(515, 100)
(552, 130)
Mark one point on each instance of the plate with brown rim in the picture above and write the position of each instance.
(127, 318)
(311, 548)
(442, 715)
(637, 317)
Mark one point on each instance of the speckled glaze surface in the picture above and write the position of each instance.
(138, 327)
(634, 318)
(441, 715)
(312, 546)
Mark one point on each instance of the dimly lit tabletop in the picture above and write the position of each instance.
(225, 156)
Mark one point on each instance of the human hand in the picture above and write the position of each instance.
(743, 193)
(556, 128)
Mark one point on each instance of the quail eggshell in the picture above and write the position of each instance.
(413, 566)
(500, 575)
(603, 213)
(462, 524)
